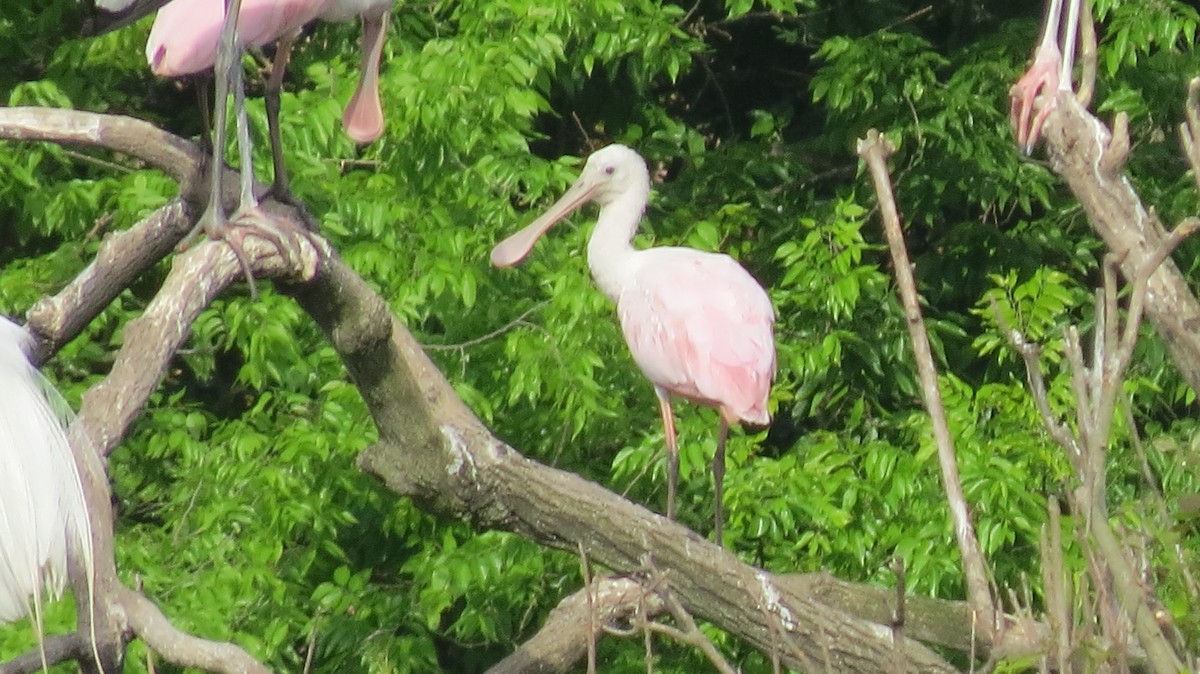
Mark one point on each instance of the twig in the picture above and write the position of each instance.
(1056, 586)
(898, 570)
(1087, 55)
(519, 320)
(874, 149)
(311, 650)
(602, 607)
(1031, 353)
(591, 609)
(687, 632)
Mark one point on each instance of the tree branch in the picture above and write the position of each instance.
(875, 150)
(181, 648)
(563, 640)
(181, 159)
(1079, 147)
(123, 256)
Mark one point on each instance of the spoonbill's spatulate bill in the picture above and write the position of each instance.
(43, 514)
(1050, 73)
(698, 325)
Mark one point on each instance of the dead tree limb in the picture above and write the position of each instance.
(1091, 160)
(874, 150)
(563, 639)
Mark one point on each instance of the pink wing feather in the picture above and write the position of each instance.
(700, 326)
(184, 37)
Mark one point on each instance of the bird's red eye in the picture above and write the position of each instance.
(609, 170)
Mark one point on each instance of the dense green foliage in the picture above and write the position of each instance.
(241, 511)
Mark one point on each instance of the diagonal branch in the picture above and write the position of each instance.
(875, 150)
(180, 648)
(1091, 161)
(123, 256)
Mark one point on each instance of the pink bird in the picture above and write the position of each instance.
(698, 325)
(1050, 74)
(185, 35)
(189, 36)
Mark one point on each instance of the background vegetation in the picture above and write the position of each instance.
(240, 508)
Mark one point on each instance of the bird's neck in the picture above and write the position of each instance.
(610, 250)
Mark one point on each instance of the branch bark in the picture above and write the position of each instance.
(1091, 160)
(874, 150)
(563, 639)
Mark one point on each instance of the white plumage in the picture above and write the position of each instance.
(43, 514)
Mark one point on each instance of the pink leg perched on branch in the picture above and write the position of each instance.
(249, 218)
(1049, 74)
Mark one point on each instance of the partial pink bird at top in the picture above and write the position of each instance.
(185, 34)
(193, 35)
(1050, 74)
(698, 325)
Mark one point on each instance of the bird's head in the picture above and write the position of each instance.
(610, 172)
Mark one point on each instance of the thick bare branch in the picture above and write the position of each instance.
(58, 648)
(196, 279)
(1078, 144)
(178, 158)
(874, 149)
(122, 257)
(563, 640)
(181, 648)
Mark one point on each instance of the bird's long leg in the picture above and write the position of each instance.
(280, 186)
(1068, 51)
(250, 218)
(664, 404)
(718, 470)
(213, 221)
(1049, 74)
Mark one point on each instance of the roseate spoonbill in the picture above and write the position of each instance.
(190, 36)
(698, 325)
(1049, 75)
(43, 514)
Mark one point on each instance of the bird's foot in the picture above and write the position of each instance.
(1036, 90)
(246, 222)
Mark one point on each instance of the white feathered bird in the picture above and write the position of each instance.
(43, 514)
